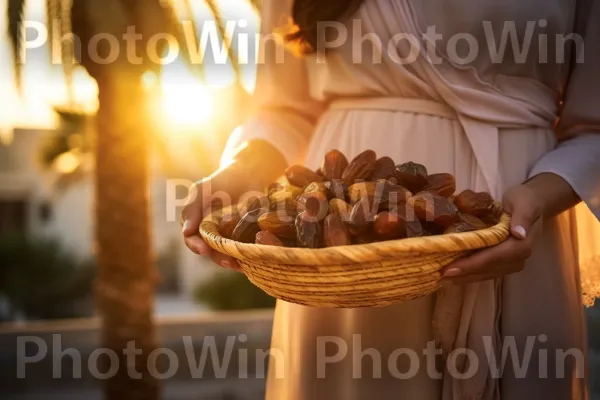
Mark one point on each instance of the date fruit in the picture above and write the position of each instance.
(414, 228)
(274, 187)
(277, 224)
(441, 184)
(365, 200)
(472, 220)
(227, 224)
(301, 176)
(309, 233)
(245, 231)
(431, 228)
(364, 238)
(392, 195)
(319, 187)
(337, 188)
(360, 190)
(334, 165)
(315, 204)
(381, 194)
(470, 202)
(431, 207)
(287, 206)
(389, 225)
(412, 176)
(255, 203)
(361, 217)
(460, 227)
(268, 239)
(384, 169)
(335, 232)
(289, 192)
(361, 167)
(341, 208)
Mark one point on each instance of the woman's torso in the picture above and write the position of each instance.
(504, 42)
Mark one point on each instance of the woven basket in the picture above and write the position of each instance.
(367, 275)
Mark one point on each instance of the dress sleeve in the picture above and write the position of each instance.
(286, 114)
(577, 157)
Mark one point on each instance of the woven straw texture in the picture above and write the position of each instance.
(367, 275)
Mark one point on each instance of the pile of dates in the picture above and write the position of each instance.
(366, 200)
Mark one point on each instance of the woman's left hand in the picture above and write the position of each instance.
(525, 208)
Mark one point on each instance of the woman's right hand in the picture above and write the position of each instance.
(252, 169)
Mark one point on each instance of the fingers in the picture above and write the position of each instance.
(197, 245)
(525, 209)
(191, 217)
(225, 261)
(192, 213)
(507, 269)
(478, 262)
(505, 258)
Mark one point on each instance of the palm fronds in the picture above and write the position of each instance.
(58, 24)
(216, 13)
(256, 4)
(176, 29)
(15, 15)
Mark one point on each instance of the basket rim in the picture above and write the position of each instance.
(355, 254)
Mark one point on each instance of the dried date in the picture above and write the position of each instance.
(301, 176)
(334, 165)
(246, 230)
(384, 169)
(227, 224)
(389, 225)
(335, 232)
(441, 184)
(268, 239)
(412, 176)
(360, 168)
(337, 188)
(277, 224)
(309, 232)
(470, 202)
(431, 207)
(315, 204)
(341, 208)
(362, 216)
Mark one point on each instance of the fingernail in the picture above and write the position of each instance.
(226, 264)
(520, 231)
(185, 226)
(201, 251)
(452, 272)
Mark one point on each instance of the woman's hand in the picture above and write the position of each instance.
(253, 168)
(526, 210)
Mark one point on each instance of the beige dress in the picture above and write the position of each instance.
(491, 124)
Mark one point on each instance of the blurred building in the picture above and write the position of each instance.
(39, 200)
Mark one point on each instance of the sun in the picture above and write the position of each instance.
(187, 105)
(180, 101)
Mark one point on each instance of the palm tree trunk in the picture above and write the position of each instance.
(126, 283)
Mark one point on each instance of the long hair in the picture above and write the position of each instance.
(307, 14)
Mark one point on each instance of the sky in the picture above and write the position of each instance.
(43, 84)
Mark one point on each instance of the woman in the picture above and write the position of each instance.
(455, 105)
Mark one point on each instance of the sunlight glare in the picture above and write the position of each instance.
(187, 105)
(66, 163)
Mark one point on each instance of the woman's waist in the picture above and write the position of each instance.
(395, 104)
(432, 108)
(352, 118)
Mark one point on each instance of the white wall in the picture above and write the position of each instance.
(72, 209)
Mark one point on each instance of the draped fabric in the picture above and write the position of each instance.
(499, 106)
